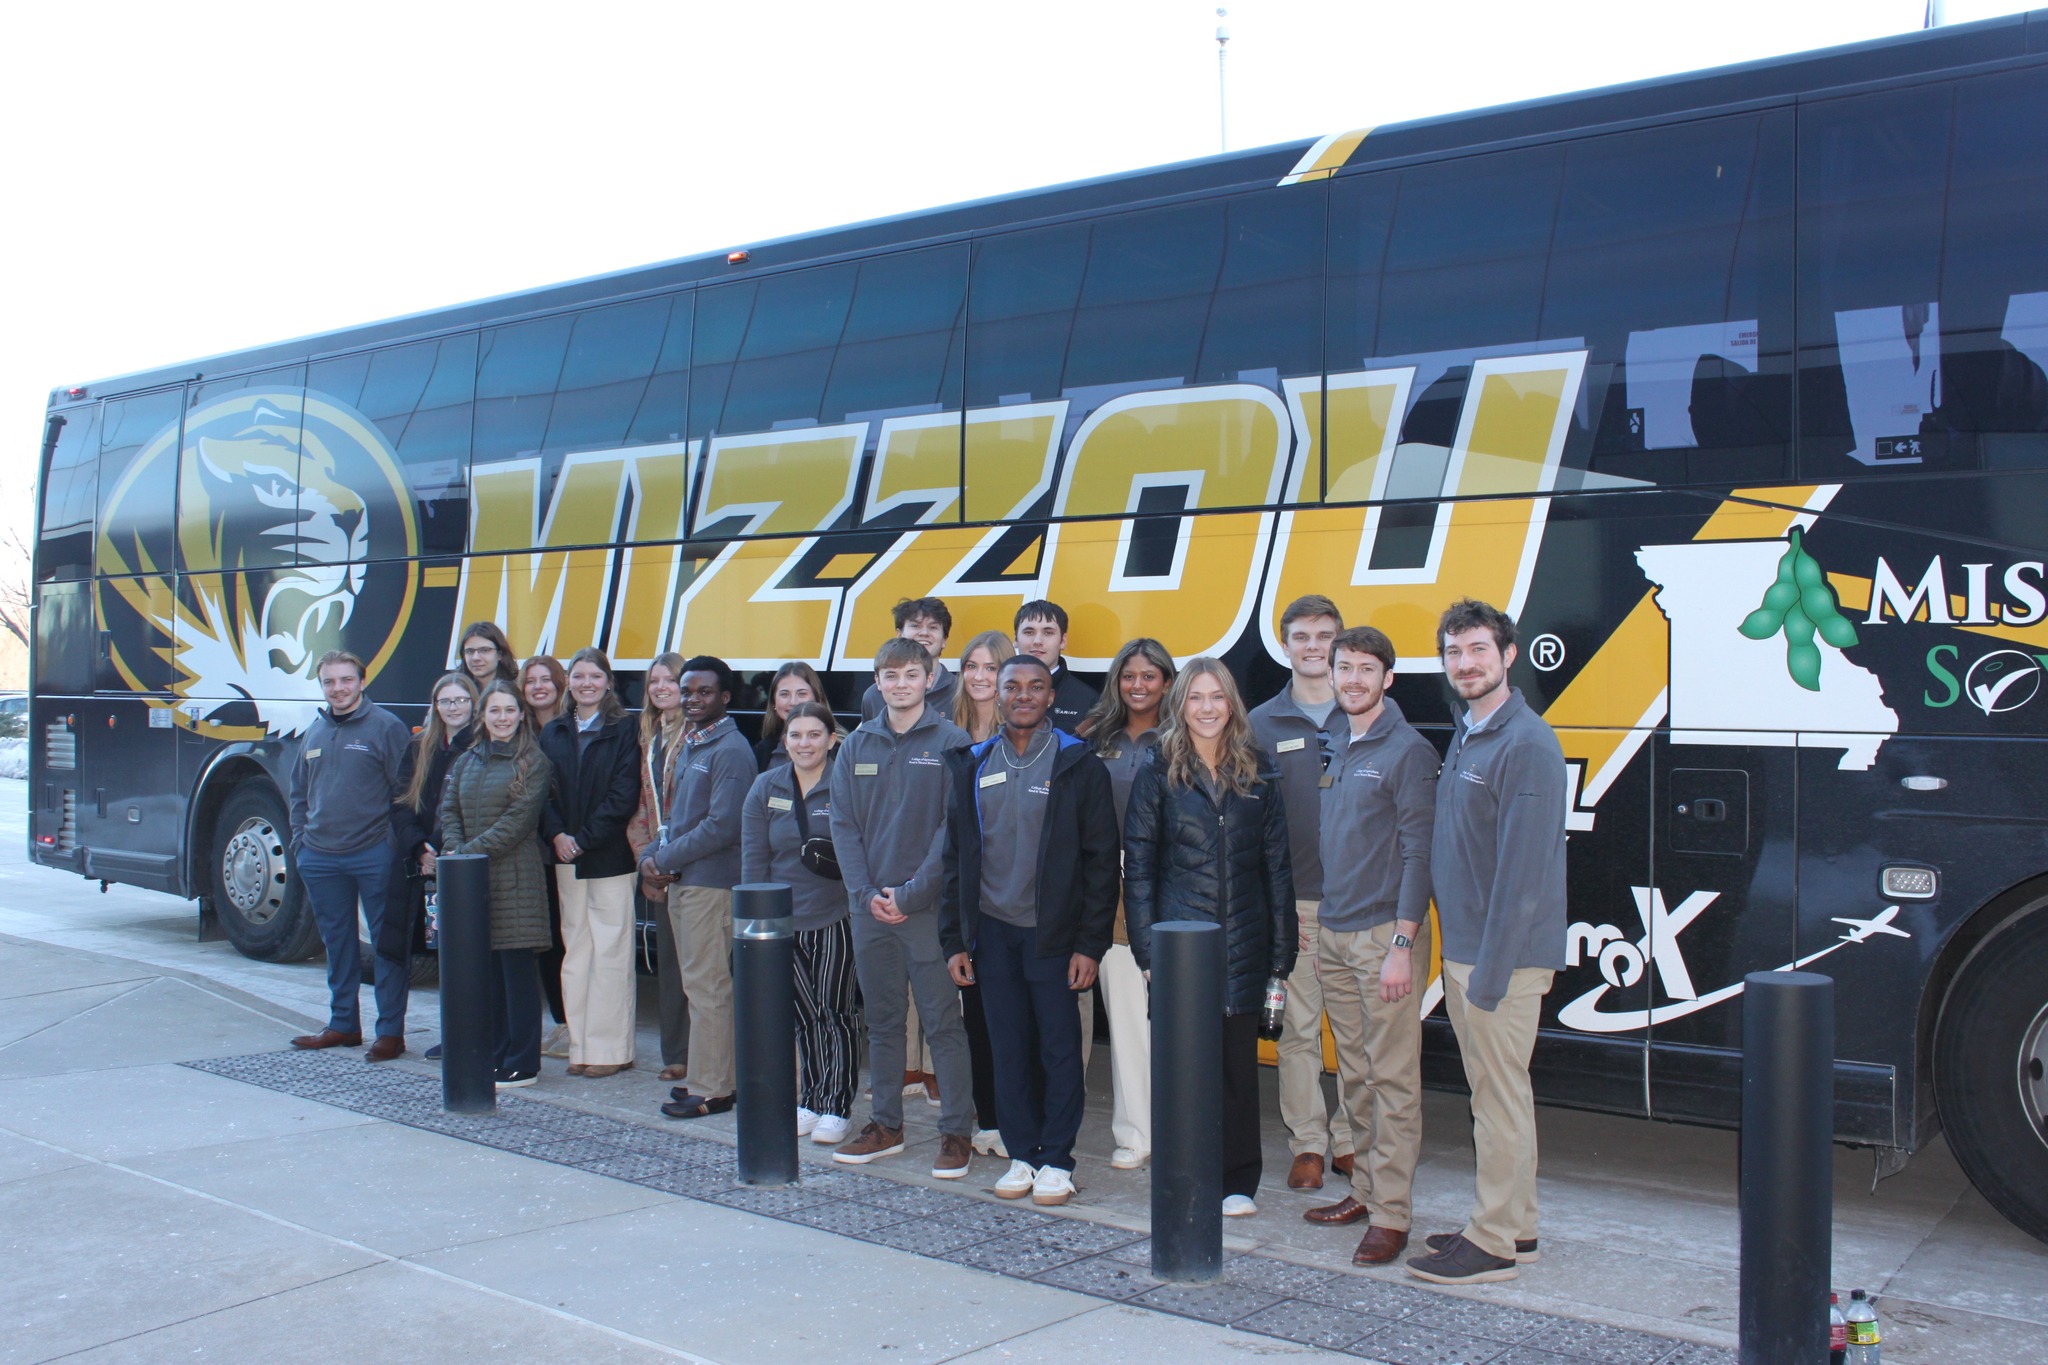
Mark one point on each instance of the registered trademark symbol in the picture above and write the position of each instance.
(1547, 653)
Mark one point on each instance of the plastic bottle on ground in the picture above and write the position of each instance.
(1838, 1330)
(1864, 1334)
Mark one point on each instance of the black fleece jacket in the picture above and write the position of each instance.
(1077, 853)
(593, 794)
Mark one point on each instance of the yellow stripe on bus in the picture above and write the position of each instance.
(1323, 160)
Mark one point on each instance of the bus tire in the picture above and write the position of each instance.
(262, 906)
(1991, 1071)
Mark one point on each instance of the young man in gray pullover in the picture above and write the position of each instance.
(1497, 869)
(889, 793)
(343, 784)
(699, 846)
(1295, 728)
(1376, 814)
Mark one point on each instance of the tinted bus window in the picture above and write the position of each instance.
(239, 478)
(419, 400)
(1873, 178)
(902, 348)
(138, 483)
(1994, 284)
(1672, 259)
(1145, 298)
(1266, 316)
(1466, 258)
(605, 391)
(1020, 311)
(763, 350)
(518, 370)
(69, 487)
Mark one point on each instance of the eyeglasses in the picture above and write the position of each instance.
(478, 651)
(453, 703)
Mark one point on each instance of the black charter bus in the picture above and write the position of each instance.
(1732, 388)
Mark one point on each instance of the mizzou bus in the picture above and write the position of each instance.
(1732, 388)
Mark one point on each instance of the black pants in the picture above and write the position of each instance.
(827, 1019)
(517, 987)
(1242, 1162)
(983, 1057)
(551, 956)
(1036, 1034)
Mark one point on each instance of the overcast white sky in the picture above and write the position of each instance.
(193, 178)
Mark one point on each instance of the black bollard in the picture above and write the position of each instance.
(1187, 1101)
(1787, 1177)
(468, 1008)
(764, 1032)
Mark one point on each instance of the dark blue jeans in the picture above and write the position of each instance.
(1034, 1031)
(518, 991)
(334, 883)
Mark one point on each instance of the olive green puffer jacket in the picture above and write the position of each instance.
(480, 814)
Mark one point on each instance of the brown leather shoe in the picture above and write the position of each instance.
(874, 1142)
(387, 1048)
(956, 1151)
(1342, 1165)
(1306, 1173)
(328, 1037)
(1379, 1246)
(1345, 1210)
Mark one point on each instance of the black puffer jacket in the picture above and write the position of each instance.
(1187, 858)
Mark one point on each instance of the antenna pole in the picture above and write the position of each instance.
(1222, 105)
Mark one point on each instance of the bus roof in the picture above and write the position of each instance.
(1776, 80)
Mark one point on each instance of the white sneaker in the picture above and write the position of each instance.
(989, 1142)
(831, 1130)
(1128, 1159)
(1238, 1206)
(806, 1121)
(1017, 1182)
(1053, 1186)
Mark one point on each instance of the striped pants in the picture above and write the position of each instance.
(827, 1019)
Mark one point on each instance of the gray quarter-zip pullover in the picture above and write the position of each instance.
(1377, 814)
(1497, 858)
(772, 844)
(345, 778)
(1295, 742)
(889, 810)
(700, 839)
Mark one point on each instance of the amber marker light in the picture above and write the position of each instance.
(735, 258)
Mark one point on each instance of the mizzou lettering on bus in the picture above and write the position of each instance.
(1160, 520)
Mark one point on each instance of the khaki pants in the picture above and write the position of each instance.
(1495, 1045)
(598, 989)
(1302, 1105)
(1379, 1065)
(700, 917)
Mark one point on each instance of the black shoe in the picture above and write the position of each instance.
(433, 1054)
(514, 1080)
(1461, 1263)
(1525, 1247)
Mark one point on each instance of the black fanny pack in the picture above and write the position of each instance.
(816, 852)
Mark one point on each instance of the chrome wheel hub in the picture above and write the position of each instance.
(2033, 1075)
(253, 870)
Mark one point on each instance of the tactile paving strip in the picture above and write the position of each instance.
(1377, 1321)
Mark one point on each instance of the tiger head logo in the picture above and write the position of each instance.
(295, 534)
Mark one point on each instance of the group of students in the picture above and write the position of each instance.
(984, 847)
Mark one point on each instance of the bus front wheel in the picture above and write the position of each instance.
(262, 907)
(1991, 1071)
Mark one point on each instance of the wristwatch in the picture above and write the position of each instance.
(1402, 940)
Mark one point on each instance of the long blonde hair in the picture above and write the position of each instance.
(1000, 648)
(434, 733)
(1237, 752)
(670, 722)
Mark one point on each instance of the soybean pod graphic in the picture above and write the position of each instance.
(1801, 604)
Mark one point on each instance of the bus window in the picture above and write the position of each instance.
(238, 474)
(1145, 298)
(903, 346)
(138, 482)
(603, 394)
(69, 486)
(1267, 314)
(1020, 311)
(1873, 177)
(418, 399)
(1467, 255)
(1994, 283)
(1672, 258)
(763, 350)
